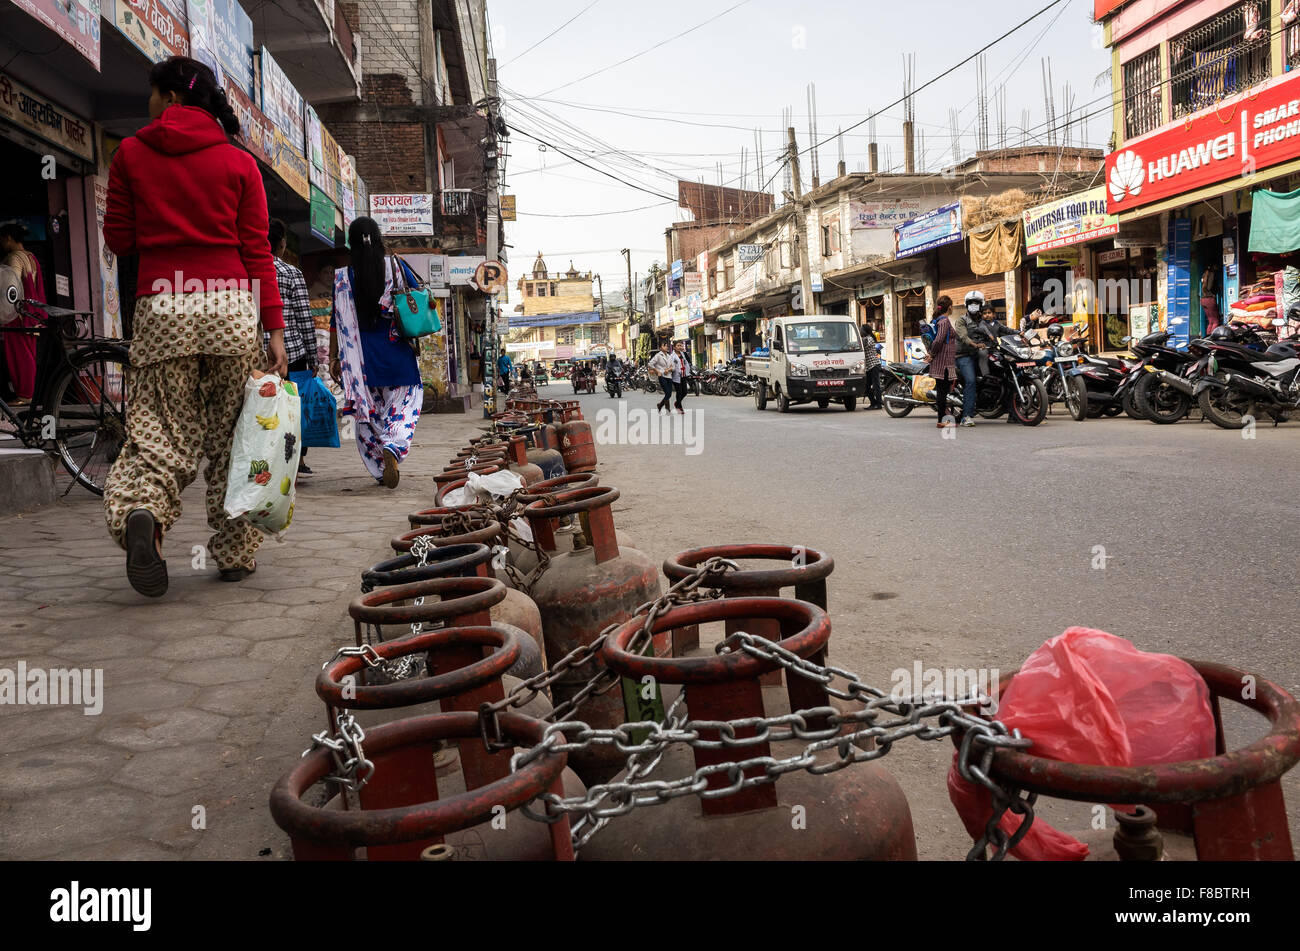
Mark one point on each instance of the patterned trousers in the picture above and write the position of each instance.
(181, 410)
(395, 410)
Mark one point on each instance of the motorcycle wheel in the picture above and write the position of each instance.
(1035, 411)
(737, 388)
(898, 390)
(1054, 392)
(1076, 398)
(1131, 406)
(1111, 410)
(989, 410)
(760, 397)
(1221, 411)
(1162, 404)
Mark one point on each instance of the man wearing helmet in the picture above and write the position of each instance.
(965, 325)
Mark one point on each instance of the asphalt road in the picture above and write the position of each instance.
(971, 552)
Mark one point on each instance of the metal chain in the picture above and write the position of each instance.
(926, 718)
(351, 768)
(685, 591)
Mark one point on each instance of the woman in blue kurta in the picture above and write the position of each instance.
(376, 366)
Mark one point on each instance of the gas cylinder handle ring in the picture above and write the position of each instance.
(475, 595)
(807, 565)
(810, 639)
(403, 824)
(1230, 773)
(571, 503)
(503, 643)
(568, 483)
(490, 530)
(449, 561)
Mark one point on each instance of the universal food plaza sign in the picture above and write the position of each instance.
(1234, 139)
(1066, 221)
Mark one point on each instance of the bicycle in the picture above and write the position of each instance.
(78, 408)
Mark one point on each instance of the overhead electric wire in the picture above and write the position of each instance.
(549, 35)
(551, 145)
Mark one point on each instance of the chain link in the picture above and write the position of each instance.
(879, 724)
(351, 768)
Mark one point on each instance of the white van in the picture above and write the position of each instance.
(817, 358)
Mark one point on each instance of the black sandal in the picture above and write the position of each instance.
(145, 567)
(234, 575)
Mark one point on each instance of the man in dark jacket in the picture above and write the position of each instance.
(969, 349)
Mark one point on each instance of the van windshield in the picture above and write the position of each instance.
(814, 337)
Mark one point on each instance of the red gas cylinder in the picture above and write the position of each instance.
(515, 611)
(581, 593)
(449, 527)
(855, 813)
(578, 446)
(803, 569)
(1231, 804)
(407, 813)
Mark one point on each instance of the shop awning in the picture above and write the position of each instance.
(739, 317)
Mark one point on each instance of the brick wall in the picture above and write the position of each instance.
(390, 156)
(390, 40)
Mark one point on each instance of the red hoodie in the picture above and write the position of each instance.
(193, 207)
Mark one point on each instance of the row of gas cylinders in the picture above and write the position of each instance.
(438, 791)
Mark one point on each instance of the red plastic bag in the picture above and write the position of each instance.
(1089, 697)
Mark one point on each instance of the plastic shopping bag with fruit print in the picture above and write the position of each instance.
(264, 454)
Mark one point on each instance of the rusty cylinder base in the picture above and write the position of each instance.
(520, 611)
(578, 599)
(859, 813)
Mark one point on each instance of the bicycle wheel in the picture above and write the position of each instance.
(89, 401)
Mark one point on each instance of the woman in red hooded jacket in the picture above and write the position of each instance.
(193, 208)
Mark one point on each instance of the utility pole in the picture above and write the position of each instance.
(493, 225)
(601, 284)
(801, 227)
(631, 291)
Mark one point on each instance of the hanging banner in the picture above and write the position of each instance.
(886, 213)
(75, 21)
(203, 40)
(232, 38)
(152, 28)
(255, 130)
(1072, 220)
(340, 159)
(349, 191)
(1236, 138)
(322, 215)
(935, 229)
(24, 107)
(406, 216)
(508, 212)
(281, 102)
(315, 146)
(291, 166)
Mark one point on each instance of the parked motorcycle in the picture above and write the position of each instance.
(1156, 401)
(1242, 382)
(1012, 383)
(1061, 385)
(1109, 385)
(1181, 385)
(897, 384)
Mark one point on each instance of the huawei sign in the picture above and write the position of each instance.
(1221, 146)
(1127, 175)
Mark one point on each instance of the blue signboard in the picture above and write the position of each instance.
(1180, 282)
(232, 33)
(679, 270)
(935, 229)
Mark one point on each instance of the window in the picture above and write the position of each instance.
(564, 337)
(731, 271)
(541, 290)
(1143, 94)
(528, 288)
(1219, 58)
(555, 289)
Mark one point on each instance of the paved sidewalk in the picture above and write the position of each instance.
(208, 692)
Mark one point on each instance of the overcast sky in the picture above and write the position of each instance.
(695, 101)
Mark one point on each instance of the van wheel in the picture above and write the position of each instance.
(760, 396)
(851, 403)
(823, 404)
(782, 402)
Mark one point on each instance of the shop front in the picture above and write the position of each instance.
(1198, 185)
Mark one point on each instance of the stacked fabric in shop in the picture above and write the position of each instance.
(1258, 304)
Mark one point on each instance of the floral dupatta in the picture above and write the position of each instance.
(348, 329)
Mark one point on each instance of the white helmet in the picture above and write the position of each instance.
(974, 302)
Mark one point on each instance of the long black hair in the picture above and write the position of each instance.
(197, 85)
(369, 268)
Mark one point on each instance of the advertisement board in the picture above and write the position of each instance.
(75, 21)
(932, 230)
(1234, 139)
(151, 27)
(1074, 219)
(25, 108)
(290, 165)
(232, 40)
(404, 215)
(281, 102)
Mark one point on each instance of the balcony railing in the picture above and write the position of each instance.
(1220, 58)
(457, 202)
(1143, 94)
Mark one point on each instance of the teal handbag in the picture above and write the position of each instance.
(414, 311)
